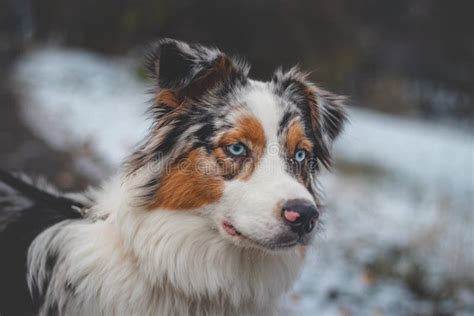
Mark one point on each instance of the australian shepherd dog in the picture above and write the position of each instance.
(210, 215)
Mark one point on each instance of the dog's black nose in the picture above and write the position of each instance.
(301, 215)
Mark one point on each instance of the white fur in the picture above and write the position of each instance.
(124, 260)
(253, 207)
(157, 263)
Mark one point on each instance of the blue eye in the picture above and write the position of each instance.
(237, 149)
(300, 155)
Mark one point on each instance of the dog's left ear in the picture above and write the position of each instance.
(184, 70)
(325, 112)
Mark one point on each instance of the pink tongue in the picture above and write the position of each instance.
(230, 229)
(291, 216)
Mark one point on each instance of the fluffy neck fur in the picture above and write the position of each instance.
(121, 260)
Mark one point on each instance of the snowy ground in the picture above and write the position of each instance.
(398, 237)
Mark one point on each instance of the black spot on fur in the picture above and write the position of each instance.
(174, 66)
(70, 289)
(170, 140)
(284, 122)
(149, 189)
(204, 135)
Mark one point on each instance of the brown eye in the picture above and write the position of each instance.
(237, 150)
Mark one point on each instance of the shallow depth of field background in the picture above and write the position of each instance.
(398, 234)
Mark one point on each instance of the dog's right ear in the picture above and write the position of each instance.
(187, 71)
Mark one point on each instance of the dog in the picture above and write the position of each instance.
(210, 215)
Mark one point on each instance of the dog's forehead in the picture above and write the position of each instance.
(262, 103)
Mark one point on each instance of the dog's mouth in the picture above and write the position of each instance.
(233, 232)
(230, 229)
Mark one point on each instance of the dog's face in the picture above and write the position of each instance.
(241, 153)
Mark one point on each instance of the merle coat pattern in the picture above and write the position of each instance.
(211, 215)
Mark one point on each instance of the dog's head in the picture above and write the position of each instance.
(240, 153)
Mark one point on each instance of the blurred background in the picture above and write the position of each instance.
(398, 236)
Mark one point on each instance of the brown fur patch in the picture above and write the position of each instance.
(250, 132)
(296, 139)
(169, 98)
(190, 184)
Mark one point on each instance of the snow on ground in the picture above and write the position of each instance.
(397, 236)
(425, 152)
(83, 102)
